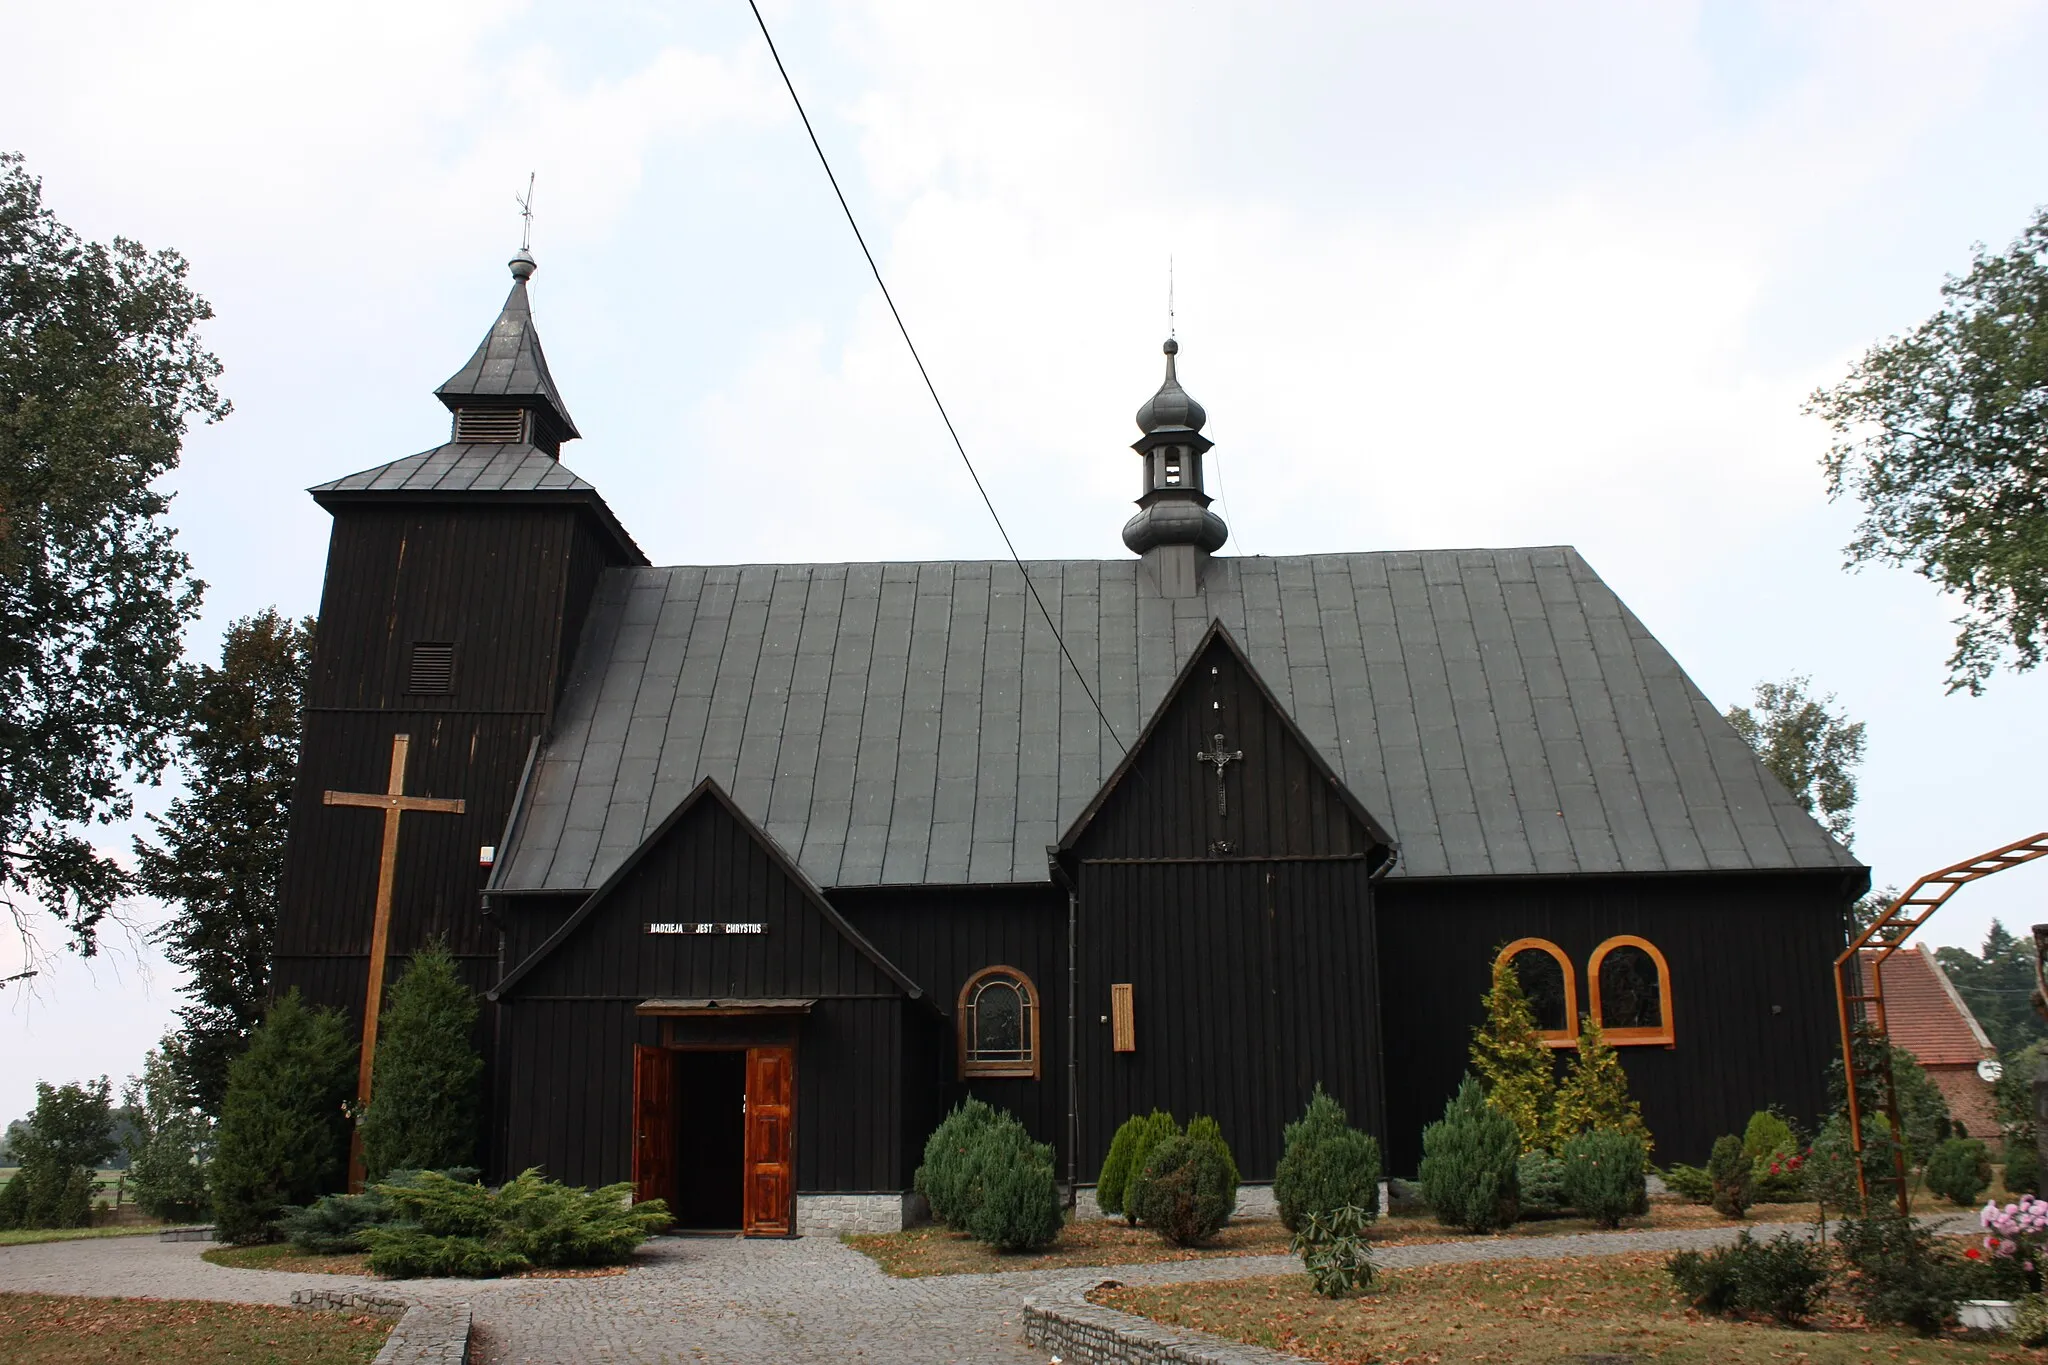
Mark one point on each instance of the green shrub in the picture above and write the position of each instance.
(1729, 1169)
(425, 1094)
(1766, 1134)
(283, 1135)
(2022, 1167)
(1959, 1171)
(74, 1204)
(1013, 1195)
(2030, 1321)
(1334, 1251)
(1116, 1167)
(1186, 1192)
(1539, 1181)
(169, 1139)
(1158, 1127)
(1783, 1278)
(451, 1227)
(1603, 1176)
(65, 1139)
(1690, 1183)
(944, 1178)
(1202, 1128)
(334, 1225)
(1779, 1178)
(1468, 1163)
(14, 1202)
(1326, 1164)
(1901, 1277)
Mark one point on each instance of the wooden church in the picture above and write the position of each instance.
(760, 868)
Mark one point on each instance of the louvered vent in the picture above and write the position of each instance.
(433, 668)
(490, 424)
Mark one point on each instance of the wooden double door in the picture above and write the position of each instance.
(715, 1135)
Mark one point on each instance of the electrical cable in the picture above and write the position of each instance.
(924, 374)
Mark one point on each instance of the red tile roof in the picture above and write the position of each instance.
(1923, 1013)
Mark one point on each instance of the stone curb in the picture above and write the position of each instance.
(1064, 1322)
(426, 1334)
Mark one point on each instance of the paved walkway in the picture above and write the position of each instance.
(811, 1301)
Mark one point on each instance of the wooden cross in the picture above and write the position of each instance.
(1222, 758)
(394, 803)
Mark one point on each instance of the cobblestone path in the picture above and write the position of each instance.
(810, 1301)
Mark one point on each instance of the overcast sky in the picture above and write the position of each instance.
(1448, 275)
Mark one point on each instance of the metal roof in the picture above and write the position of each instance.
(509, 364)
(465, 467)
(1500, 710)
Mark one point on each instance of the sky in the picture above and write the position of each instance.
(1444, 275)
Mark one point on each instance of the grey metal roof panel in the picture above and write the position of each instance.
(1500, 710)
(465, 467)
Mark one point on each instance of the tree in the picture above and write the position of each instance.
(1511, 1061)
(283, 1135)
(70, 1133)
(1942, 437)
(1593, 1097)
(1812, 750)
(172, 1139)
(222, 850)
(1996, 984)
(424, 1101)
(100, 369)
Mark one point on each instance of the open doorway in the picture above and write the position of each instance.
(711, 1140)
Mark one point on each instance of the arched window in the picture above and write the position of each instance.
(1551, 985)
(998, 1022)
(1631, 989)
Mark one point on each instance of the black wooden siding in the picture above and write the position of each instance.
(1752, 993)
(1251, 982)
(569, 1027)
(942, 936)
(1277, 801)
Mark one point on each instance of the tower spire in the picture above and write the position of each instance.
(505, 393)
(1174, 530)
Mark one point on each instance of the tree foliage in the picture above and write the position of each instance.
(1470, 1163)
(1941, 436)
(221, 850)
(1809, 747)
(283, 1135)
(1511, 1061)
(100, 369)
(170, 1139)
(1997, 983)
(425, 1092)
(1593, 1097)
(63, 1143)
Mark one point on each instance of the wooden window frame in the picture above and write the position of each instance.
(1021, 1070)
(1664, 1034)
(1568, 1036)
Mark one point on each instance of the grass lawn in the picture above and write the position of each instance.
(1510, 1312)
(933, 1250)
(284, 1256)
(14, 1237)
(43, 1329)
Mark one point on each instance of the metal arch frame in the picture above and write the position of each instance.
(1885, 936)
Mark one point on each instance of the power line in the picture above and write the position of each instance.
(924, 374)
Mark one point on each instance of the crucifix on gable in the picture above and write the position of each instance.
(394, 803)
(1221, 758)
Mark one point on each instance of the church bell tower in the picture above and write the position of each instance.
(1174, 530)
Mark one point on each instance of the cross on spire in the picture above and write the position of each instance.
(1221, 758)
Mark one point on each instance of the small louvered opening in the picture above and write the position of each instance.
(490, 424)
(433, 668)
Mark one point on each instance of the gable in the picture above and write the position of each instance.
(707, 908)
(1221, 770)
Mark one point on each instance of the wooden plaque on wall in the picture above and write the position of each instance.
(1123, 1024)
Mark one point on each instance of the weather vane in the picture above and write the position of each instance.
(525, 203)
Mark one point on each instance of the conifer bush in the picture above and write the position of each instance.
(1159, 1126)
(1469, 1160)
(283, 1134)
(1765, 1135)
(1325, 1164)
(1518, 1072)
(443, 1226)
(1539, 1185)
(1187, 1191)
(944, 1178)
(1593, 1097)
(1603, 1176)
(2022, 1172)
(1205, 1129)
(1729, 1170)
(333, 1225)
(1116, 1166)
(425, 1091)
(1012, 1192)
(1690, 1183)
(1959, 1171)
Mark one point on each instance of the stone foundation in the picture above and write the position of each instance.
(831, 1214)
